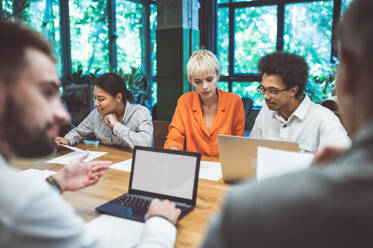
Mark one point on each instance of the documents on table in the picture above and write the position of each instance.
(115, 232)
(76, 149)
(41, 174)
(123, 165)
(207, 170)
(67, 158)
(272, 162)
(210, 170)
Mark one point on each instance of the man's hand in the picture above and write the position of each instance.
(111, 119)
(327, 155)
(165, 209)
(60, 140)
(176, 148)
(79, 174)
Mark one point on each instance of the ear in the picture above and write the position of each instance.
(119, 97)
(293, 91)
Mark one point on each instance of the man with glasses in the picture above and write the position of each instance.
(289, 114)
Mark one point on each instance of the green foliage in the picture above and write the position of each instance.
(322, 83)
(138, 84)
(79, 77)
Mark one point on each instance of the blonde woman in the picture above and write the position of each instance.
(203, 114)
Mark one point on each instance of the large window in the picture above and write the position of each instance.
(89, 36)
(41, 15)
(249, 29)
(94, 36)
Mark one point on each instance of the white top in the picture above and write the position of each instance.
(33, 214)
(311, 125)
(136, 128)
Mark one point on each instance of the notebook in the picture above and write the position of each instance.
(238, 155)
(157, 173)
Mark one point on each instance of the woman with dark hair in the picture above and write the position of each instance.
(114, 121)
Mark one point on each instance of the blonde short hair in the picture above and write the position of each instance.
(202, 61)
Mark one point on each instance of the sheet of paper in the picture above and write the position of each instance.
(210, 170)
(41, 174)
(115, 232)
(73, 148)
(272, 162)
(123, 165)
(67, 158)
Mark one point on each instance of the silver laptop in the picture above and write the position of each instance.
(238, 155)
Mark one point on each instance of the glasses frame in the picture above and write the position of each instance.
(263, 90)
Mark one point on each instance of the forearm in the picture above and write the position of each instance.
(158, 232)
(142, 137)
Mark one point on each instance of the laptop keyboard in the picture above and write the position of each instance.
(133, 201)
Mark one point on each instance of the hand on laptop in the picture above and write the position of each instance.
(79, 174)
(165, 209)
(327, 155)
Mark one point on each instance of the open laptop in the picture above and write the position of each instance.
(157, 173)
(238, 155)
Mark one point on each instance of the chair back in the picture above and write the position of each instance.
(160, 131)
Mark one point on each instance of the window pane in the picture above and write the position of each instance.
(153, 28)
(222, 39)
(154, 93)
(223, 1)
(242, 0)
(248, 89)
(130, 45)
(345, 4)
(44, 16)
(255, 36)
(7, 8)
(89, 35)
(222, 86)
(308, 31)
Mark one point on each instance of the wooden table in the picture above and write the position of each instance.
(114, 183)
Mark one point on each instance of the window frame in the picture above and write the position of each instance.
(232, 6)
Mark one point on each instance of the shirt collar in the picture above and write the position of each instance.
(300, 112)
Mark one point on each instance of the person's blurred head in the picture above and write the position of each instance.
(30, 109)
(284, 76)
(110, 93)
(203, 72)
(354, 80)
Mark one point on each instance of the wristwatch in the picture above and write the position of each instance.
(53, 182)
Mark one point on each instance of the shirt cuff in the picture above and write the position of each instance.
(158, 230)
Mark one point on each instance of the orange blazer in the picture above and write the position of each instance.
(188, 129)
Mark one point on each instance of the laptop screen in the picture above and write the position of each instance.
(164, 173)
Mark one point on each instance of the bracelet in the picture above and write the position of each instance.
(53, 182)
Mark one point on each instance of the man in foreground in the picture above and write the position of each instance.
(327, 206)
(32, 213)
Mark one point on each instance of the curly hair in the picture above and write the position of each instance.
(292, 69)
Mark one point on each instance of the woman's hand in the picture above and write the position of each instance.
(61, 141)
(111, 119)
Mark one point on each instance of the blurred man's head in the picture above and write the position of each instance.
(355, 81)
(30, 109)
(284, 76)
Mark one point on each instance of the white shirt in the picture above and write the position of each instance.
(34, 214)
(311, 125)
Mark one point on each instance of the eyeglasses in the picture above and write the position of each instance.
(271, 91)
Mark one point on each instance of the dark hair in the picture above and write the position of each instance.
(114, 84)
(15, 39)
(356, 31)
(292, 69)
